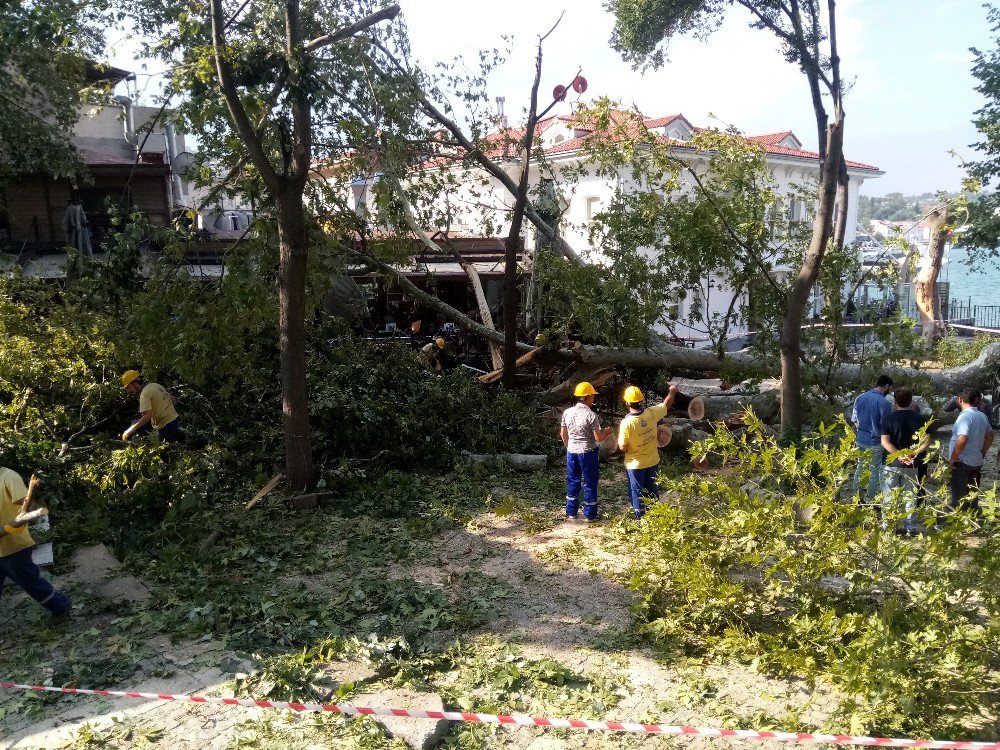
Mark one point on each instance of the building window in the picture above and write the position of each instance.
(559, 138)
(675, 304)
(593, 205)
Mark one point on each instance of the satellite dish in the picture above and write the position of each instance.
(559, 93)
(182, 163)
(579, 84)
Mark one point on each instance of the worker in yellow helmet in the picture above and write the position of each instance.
(637, 438)
(156, 409)
(437, 357)
(581, 431)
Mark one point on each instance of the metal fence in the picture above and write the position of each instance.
(952, 310)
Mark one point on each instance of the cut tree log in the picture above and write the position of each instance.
(693, 406)
(663, 435)
(974, 375)
(764, 405)
(516, 461)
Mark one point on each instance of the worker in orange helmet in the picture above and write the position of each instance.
(581, 431)
(637, 438)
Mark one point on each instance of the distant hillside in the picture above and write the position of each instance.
(896, 207)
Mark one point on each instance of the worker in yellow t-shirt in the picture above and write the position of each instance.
(156, 409)
(637, 438)
(15, 549)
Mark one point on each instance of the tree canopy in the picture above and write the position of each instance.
(45, 48)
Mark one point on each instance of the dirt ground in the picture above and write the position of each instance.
(554, 590)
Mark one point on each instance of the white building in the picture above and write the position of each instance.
(480, 206)
(915, 232)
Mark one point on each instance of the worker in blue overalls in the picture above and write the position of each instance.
(581, 431)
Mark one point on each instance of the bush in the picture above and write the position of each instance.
(952, 351)
(763, 563)
(381, 404)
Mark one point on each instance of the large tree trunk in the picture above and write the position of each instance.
(293, 246)
(925, 285)
(798, 297)
(834, 302)
(510, 288)
(590, 358)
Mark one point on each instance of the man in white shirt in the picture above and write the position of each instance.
(971, 438)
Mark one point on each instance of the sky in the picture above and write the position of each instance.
(910, 104)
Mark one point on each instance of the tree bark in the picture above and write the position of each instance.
(798, 296)
(590, 358)
(834, 303)
(510, 286)
(293, 252)
(925, 285)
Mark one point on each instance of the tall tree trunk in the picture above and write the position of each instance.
(798, 297)
(510, 289)
(294, 247)
(834, 302)
(925, 285)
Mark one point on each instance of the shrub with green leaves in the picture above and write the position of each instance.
(952, 351)
(381, 404)
(766, 563)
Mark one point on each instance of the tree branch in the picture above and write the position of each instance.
(475, 153)
(238, 113)
(347, 32)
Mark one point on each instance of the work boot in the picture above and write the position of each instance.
(61, 617)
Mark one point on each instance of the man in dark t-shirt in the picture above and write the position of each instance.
(899, 429)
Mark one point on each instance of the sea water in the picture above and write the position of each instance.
(979, 282)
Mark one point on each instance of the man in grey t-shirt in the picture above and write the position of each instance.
(581, 431)
(971, 438)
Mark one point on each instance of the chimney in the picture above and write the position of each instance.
(175, 178)
(126, 105)
(501, 117)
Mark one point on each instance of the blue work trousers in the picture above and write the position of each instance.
(582, 470)
(642, 482)
(22, 570)
(169, 433)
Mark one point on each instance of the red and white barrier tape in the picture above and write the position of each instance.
(528, 721)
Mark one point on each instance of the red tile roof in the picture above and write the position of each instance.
(659, 122)
(505, 142)
(771, 139)
(799, 153)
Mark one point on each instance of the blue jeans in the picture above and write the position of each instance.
(642, 482)
(21, 570)
(169, 433)
(872, 459)
(582, 469)
(905, 478)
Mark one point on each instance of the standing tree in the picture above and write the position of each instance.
(808, 35)
(925, 284)
(45, 48)
(259, 82)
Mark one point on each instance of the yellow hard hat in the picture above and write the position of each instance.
(440, 343)
(584, 389)
(130, 376)
(633, 395)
